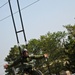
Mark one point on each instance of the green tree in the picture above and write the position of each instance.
(51, 43)
(70, 47)
(33, 46)
(13, 54)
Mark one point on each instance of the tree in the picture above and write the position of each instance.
(70, 48)
(51, 43)
(13, 54)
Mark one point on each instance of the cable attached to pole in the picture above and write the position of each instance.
(20, 10)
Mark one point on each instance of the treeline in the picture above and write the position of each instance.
(60, 46)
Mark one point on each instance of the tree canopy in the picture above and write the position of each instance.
(60, 46)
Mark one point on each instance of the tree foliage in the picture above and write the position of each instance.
(60, 47)
(70, 48)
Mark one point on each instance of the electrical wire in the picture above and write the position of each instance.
(18, 11)
(30, 4)
(3, 5)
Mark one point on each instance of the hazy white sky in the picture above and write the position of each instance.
(38, 19)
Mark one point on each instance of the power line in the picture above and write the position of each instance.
(5, 18)
(18, 11)
(30, 4)
(3, 5)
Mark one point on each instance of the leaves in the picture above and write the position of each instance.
(60, 47)
(70, 48)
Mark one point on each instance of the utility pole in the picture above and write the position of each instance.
(22, 30)
(21, 20)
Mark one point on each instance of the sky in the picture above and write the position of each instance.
(40, 18)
